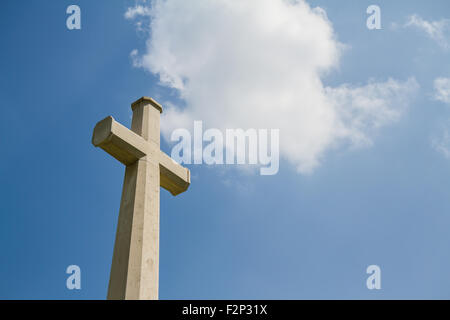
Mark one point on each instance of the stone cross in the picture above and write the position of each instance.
(135, 266)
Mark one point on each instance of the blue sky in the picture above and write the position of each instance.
(233, 235)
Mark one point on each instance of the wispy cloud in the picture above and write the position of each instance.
(439, 31)
(442, 143)
(137, 11)
(442, 90)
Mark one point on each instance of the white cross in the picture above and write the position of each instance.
(135, 265)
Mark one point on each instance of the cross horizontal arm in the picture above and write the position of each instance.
(119, 141)
(128, 147)
(173, 177)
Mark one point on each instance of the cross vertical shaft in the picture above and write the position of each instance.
(135, 267)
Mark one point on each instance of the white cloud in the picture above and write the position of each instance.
(363, 109)
(442, 89)
(439, 31)
(136, 11)
(442, 143)
(260, 64)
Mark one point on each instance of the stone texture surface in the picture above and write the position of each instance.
(135, 267)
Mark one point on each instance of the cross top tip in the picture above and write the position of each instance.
(147, 100)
